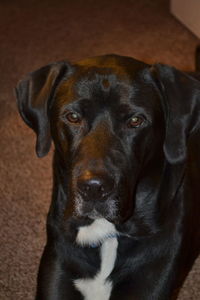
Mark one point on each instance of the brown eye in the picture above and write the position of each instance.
(73, 117)
(135, 121)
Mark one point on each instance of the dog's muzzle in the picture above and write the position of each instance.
(94, 196)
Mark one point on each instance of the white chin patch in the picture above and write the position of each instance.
(96, 233)
(100, 232)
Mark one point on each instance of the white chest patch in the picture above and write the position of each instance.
(99, 232)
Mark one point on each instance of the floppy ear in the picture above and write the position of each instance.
(34, 96)
(181, 102)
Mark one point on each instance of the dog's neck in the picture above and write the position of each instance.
(103, 234)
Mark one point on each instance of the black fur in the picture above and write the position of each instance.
(144, 179)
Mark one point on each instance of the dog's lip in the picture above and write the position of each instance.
(96, 215)
(92, 214)
(105, 197)
(107, 209)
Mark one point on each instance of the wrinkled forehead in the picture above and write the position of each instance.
(101, 83)
(109, 80)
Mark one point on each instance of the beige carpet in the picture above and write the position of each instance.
(32, 34)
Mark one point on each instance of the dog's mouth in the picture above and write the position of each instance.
(108, 209)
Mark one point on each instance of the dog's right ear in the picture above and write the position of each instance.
(35, 94)
(181, 105)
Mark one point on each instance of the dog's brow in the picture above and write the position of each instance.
(105, 83)
(125, 108)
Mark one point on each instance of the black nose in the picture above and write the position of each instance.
(95, 187)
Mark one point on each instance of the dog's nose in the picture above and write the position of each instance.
(95, 187)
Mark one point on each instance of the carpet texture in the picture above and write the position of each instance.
(32, 34)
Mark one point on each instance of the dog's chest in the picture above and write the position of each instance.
(103, 233)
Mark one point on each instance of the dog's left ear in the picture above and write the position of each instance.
(181, 101)
(34, 96)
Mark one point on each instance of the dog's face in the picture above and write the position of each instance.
(104, 121)
(110, 125)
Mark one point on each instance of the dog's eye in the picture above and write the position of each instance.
(73, 117)
(135, 121)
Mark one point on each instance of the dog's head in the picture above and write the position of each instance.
(116, 123)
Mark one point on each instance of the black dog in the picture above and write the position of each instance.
(124, 219)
